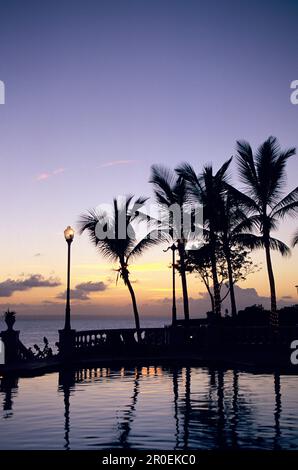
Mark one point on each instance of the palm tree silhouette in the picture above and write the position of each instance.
(209, 190)
(234, 233)
(263, 175)
(120, 243)
(170, 190)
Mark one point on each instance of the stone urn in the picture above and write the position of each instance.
(10, 318)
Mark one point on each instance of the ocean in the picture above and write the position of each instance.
(33, 329)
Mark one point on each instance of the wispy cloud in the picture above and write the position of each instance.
(9, 286)
(43, 176)
(46, 175)
(117, 163)
(82, 291)
(58, 171)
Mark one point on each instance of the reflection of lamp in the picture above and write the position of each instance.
(69, 236)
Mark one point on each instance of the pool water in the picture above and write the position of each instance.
(150, 408)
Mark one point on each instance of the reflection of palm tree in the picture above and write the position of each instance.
(187, 409)
(220, 409)
(235, 408)
(125, 425)
(66, 382)
(170, 191)
(263, 175)
(277, 410)
(119, 242)
(176, 398)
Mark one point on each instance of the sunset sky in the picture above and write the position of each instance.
(98, 91)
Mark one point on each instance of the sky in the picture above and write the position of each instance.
(98, 91)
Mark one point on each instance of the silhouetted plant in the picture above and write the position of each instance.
(209, 189)
(263, 175)
(118, 248)
(170, 190)
(241, 265)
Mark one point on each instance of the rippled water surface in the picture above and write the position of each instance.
(150, 408)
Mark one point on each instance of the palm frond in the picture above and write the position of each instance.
(105, 233)
(152, 239)
(246, 165)
(163, 180)
(242, 199)
(221, 175)
(186, 171)
(287, 206)
(249, 240)
(295, 239)
(280, 246)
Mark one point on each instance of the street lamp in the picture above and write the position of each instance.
(174, 310)
(69, 235)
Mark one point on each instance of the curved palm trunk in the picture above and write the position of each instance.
(134, 305)
(216, 287)
(273, 314)
(210, 295)
(181, 250)
(231, 282)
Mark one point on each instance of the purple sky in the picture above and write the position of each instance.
(97, 91)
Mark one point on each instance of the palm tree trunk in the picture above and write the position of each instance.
(273, 314)
(231, 282)
(135, 307)
(210, 294)
(181, 250)
(216, 288)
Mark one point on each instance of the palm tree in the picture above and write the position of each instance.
(295, 239)
(263, 175)
(209, 190)
(118, 247)
(234, 234)
(170, 190)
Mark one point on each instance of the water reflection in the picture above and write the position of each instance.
(235, 409)
(187, 407)
(66, 385)
(277, 411)
(215, 419)
(126, 423)
(8, 387)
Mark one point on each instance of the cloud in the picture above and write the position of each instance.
(46, 175)
(37, 255)
(58, 171)
(117, 163)
(287, 297)
(199, 306)
(82, 291)
(9, 286)
(91, 286)
(74, 294)
(43, 176)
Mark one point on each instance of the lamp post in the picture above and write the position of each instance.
(174, 309)
(69, 235)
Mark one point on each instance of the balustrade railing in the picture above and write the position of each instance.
(91, 339)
